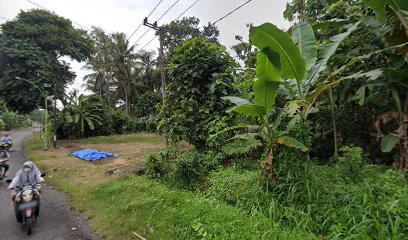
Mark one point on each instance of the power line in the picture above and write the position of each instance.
(134, 44)
(141, 24)
(167, 10)
(151, 40)
(232, 11)
(192, 5)
(38, 5)
(156, 21)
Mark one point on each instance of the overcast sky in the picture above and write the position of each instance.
(126, 15)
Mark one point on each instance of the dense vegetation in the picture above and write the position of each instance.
(309, 136)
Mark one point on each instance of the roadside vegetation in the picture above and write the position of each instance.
(306, 137)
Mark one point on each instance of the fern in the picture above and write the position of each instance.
(240, 147)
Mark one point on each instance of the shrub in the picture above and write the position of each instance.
(242, 148)
(146, 104)
(228, 185)
(2, 125)
(156, 167)
(200, 74)
(159, 165)
(134, 125)
(119, 119)
(351, 164)
(192, 168)
(10, 120)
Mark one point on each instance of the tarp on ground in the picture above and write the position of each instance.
(91, 154)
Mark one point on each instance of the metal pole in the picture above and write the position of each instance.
(46, 122)
(45, 113)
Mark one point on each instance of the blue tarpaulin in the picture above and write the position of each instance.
(91, 155)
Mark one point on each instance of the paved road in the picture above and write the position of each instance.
(56, 218)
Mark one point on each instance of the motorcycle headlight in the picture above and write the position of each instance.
(28, 195)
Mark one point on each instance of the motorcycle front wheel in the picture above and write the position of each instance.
(29, 226)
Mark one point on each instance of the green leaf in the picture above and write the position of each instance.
(90, 123)
(291, 142)
(388, 143)
(378, 7)
(327, 51)
(360, 95)
(269, 36)
(76, 118)
(245, 107)
(268, 72)
(234, 128)
(250, 110)
(322, 87)
(396, 97)
(237, 100)
(303, 36)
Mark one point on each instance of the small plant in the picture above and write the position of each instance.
(242, 147)
(192, 168)
(198, 227)
(229, 186)
(155, 167)
(352, 163)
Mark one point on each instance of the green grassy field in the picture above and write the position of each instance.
(117, 208)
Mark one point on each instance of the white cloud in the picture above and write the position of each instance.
(126, 15)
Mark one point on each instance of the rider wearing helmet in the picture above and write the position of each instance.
(4, 157)
(29, 174)
(6, 139)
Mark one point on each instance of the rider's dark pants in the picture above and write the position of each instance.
(5, 166)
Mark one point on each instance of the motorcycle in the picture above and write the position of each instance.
(8, 145)
(27, 205)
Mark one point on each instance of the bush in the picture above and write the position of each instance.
(156, 167)
(134, 125)
(351, 164)
(119, 119)
(200, 74)
(159, 165)
(146, 104)
(192, 168)
(229, 186)
(2, 125)
(10, 120)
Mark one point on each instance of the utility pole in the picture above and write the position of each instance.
(54, 139)
(160, 31)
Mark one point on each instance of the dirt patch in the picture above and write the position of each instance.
(129, 160)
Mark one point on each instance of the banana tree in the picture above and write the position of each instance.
(78, 115)
(273, 61)
(304, 92)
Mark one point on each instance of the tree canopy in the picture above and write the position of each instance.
(31, 47)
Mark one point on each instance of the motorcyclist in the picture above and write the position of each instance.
(6, 139)
(4, 157)
(29, 174)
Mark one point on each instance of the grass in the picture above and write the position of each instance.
(117, 205)
(129, 138)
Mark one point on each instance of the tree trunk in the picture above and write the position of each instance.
(334, 124)
(126, 99)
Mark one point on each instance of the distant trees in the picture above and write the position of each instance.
(31, 47)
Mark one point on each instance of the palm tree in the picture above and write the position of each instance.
(125, 71)
(100, 80)
(147, 62)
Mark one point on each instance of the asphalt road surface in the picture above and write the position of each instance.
(56, 220)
